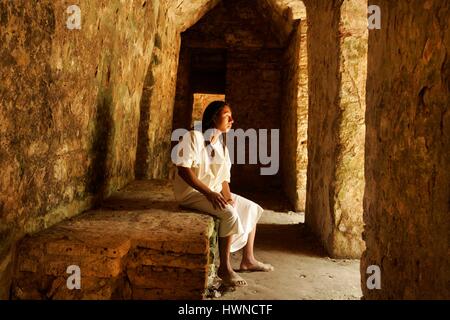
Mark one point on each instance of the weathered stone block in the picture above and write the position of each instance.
(72, 248)
(166, 294)
(168, 278)
(93, 266)
(118, 250)
(149, 257)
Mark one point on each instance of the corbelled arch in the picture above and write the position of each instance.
(156, 105)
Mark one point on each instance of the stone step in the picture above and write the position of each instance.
(138, 245)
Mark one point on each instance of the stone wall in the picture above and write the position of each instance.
(69, 109)
(183, 105)
(254, 93)
(337, 60)
(70, 104)
(294, 118)
(406, 202)
(153, 154)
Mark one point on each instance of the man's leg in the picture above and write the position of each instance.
(226, 272)
(248, 256)
(249, 262)
(224, 251)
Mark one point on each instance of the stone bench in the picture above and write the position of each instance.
(138, 245)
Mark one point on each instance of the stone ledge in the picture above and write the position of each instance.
(138, 245)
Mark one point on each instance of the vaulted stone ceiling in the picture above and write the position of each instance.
(297, 7)
(186, 13)
(282, 14)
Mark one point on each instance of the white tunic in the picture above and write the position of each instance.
(212, 171)
(238, 220)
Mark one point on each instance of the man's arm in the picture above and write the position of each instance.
(191, 179)
(226, 192)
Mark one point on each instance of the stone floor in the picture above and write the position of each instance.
(302, 268)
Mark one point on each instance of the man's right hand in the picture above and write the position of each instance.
(217, 200)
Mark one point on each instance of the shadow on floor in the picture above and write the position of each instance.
(289, 238)
(268, 199)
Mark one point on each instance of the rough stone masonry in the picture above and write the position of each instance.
(363, 116)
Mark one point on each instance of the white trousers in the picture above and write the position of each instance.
(238, 220)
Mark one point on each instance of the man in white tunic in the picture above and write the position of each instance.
(202, 183)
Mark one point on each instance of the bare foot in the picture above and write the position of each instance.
(255, 266)
(231, 279)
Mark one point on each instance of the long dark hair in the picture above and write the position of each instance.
(209, 115)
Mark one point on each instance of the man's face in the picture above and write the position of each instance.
(224, 120)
